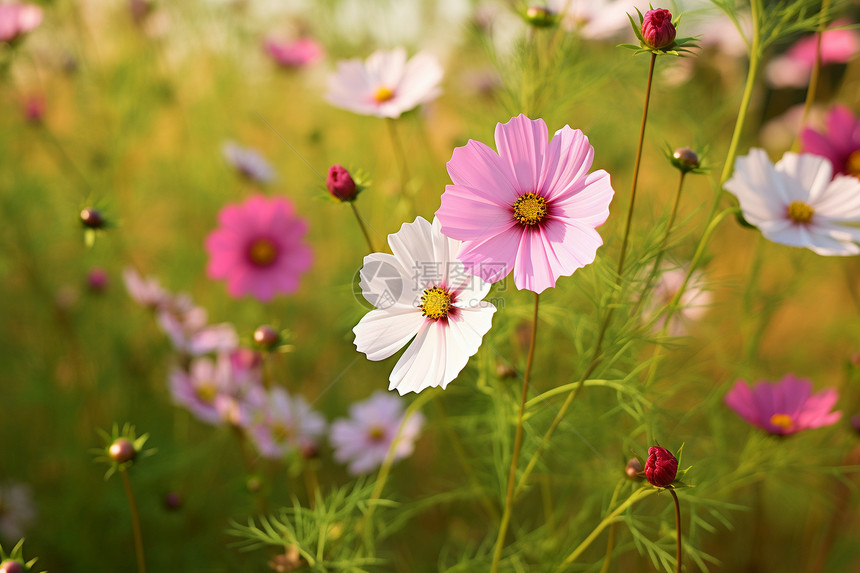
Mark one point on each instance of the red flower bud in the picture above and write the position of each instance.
(633, 469)
(340, 183)
(122, 450)
(266, 337)
(657, 29)
(660, 467)
(10, 566)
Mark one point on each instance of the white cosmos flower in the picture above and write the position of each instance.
(386, 85)
(796, 203)
(423, 291)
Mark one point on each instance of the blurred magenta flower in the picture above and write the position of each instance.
(784, 407)
(795, 202)
(248, 162)
(794, 69)
(532, 207)
(386, 85)
(364, 439)
(423, 292)
(18, 19)
(220, 389)
(288, 425)
(841, 143)
(258, 248)
(97, 280)
(34, 108)
(661, 467)
(658, 30)
(293, 54)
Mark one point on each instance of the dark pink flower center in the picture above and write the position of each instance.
(262, 252)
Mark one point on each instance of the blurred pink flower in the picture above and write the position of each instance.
(34, 108)
(795, 202)
(784, 407)
(146, 292)
(258, 248)
(293, 54)
(17, 511)
(386, 85)
(288, 424)
(248, 162)
(364, 439)
(424, 294)
(223, 389)
(532, 207)
(18, 19)
(593, 19)
(694, 302)
(795, 67)
(841, 143)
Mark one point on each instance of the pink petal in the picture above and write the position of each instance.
(522, 144)
(568, 159)
(479, 168)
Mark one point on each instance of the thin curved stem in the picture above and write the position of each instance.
(135, 522)
(636, 166)
(399, 152)
(812, 90)
(362, 226)
(518, 443)
(677, 528)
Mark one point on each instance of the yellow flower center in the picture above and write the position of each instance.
(206, 392)
(852, 166)
(281, 433)
(263, 252)
(376, 434)
(800, 212)
(435, 303)
(529, 209)
(383, 95)
(781, 421)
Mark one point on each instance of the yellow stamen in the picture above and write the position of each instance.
(376, 434)
(852, 166)
(435, 303)
(383, 94)
(281, 433)
(781, 421)
(530, 209)
(206, 392)
(263, 252)
(800, 212)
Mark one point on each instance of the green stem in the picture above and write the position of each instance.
(610, 543)
(752, 74)
(636, 166)
(677, 528)
(608, 520)
(816, 69)
(518, 442)
(399, 152)
(135, 522)
(362, 226)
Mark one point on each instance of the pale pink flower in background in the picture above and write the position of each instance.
(784, 407)
(422, 291)
(795, 202)
(17, 511)
(146, 292)
(840, 145)
(293, 53)
(593, 19)
(386, 84)
(190, 334)
(18, 19)
(532, 207)
(258, 248)
(780, 132)
(288, 424)
(795, 67)
(693, 305)
(248, 162)
(364, 439)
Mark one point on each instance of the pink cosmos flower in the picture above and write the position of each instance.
(18, 19)
(694, 302)
(795, 202)
(258, 248)
(386, 85)
(294, 54)
(288, 424)
(841, 144)
(364, 439)
(795, 67)
(146, 292)
(657, 29)
(784, 407)
(531, 208)
(248, 162)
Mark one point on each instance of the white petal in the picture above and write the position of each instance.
(423, 364)
(465, 335)
(413, 247)
(381, 333)
(758, 187)
(810, 174)
(384, 282)
(840, 201)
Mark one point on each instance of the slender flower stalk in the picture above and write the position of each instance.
(637, 495)
(677, 528)
(812, 90)
(135, 522)
(399, 152)
(362, 226)
(518, 443)
(636, 166)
